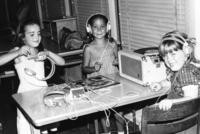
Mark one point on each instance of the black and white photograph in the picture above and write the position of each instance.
(99, 67)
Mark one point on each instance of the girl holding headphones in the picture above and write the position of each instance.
(29, 64)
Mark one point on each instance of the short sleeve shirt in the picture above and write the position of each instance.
(188, 75)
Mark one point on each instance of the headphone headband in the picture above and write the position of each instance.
(176, 36)
(88, 26)
(174, 39)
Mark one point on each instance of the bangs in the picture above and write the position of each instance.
(168, 47)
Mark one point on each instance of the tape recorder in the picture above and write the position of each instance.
(141, 68)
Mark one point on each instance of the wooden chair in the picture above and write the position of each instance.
(180, 117)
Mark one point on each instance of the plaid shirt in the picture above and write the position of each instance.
(187, 75)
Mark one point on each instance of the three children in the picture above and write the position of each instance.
(100, 58)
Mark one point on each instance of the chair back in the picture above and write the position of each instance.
(180, 117)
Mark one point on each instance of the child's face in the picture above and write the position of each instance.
(99, 28)
(175, 60)
(32, 36)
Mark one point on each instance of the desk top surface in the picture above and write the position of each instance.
(127, 92)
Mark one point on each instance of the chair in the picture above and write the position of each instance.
(180, 117)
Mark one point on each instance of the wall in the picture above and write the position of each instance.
(193, 19)
(9, 9)
(7, 12)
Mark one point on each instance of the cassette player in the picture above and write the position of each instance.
(141, 68)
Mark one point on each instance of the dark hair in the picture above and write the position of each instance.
(91, 21)
(94, 17)
(28, 23)
(172, 41)
(22, 32)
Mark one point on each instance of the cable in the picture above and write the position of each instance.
(52, 70)
(108, 115)
(107, 108)
(103, 107)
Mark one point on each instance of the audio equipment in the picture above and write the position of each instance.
(176, 36)
(32, 73)
(88, 26)
(141, 68)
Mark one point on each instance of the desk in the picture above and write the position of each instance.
(31, 103)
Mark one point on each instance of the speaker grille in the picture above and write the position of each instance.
(131, 67)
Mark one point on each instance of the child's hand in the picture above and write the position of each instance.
(155, 86)
(42, 55)
(97, 66)
(24, 50)
(165, 104)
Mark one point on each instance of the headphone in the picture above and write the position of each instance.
(178, 37)
(32, 73)
(88, 25)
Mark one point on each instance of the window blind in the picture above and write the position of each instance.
(85, 8)
(143, 22)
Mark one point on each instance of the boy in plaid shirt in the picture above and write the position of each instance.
(183, 74)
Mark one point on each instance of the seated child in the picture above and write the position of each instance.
(183, 75)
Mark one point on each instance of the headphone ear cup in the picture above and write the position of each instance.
(88, 29)
(108, 26)
(187, 49)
